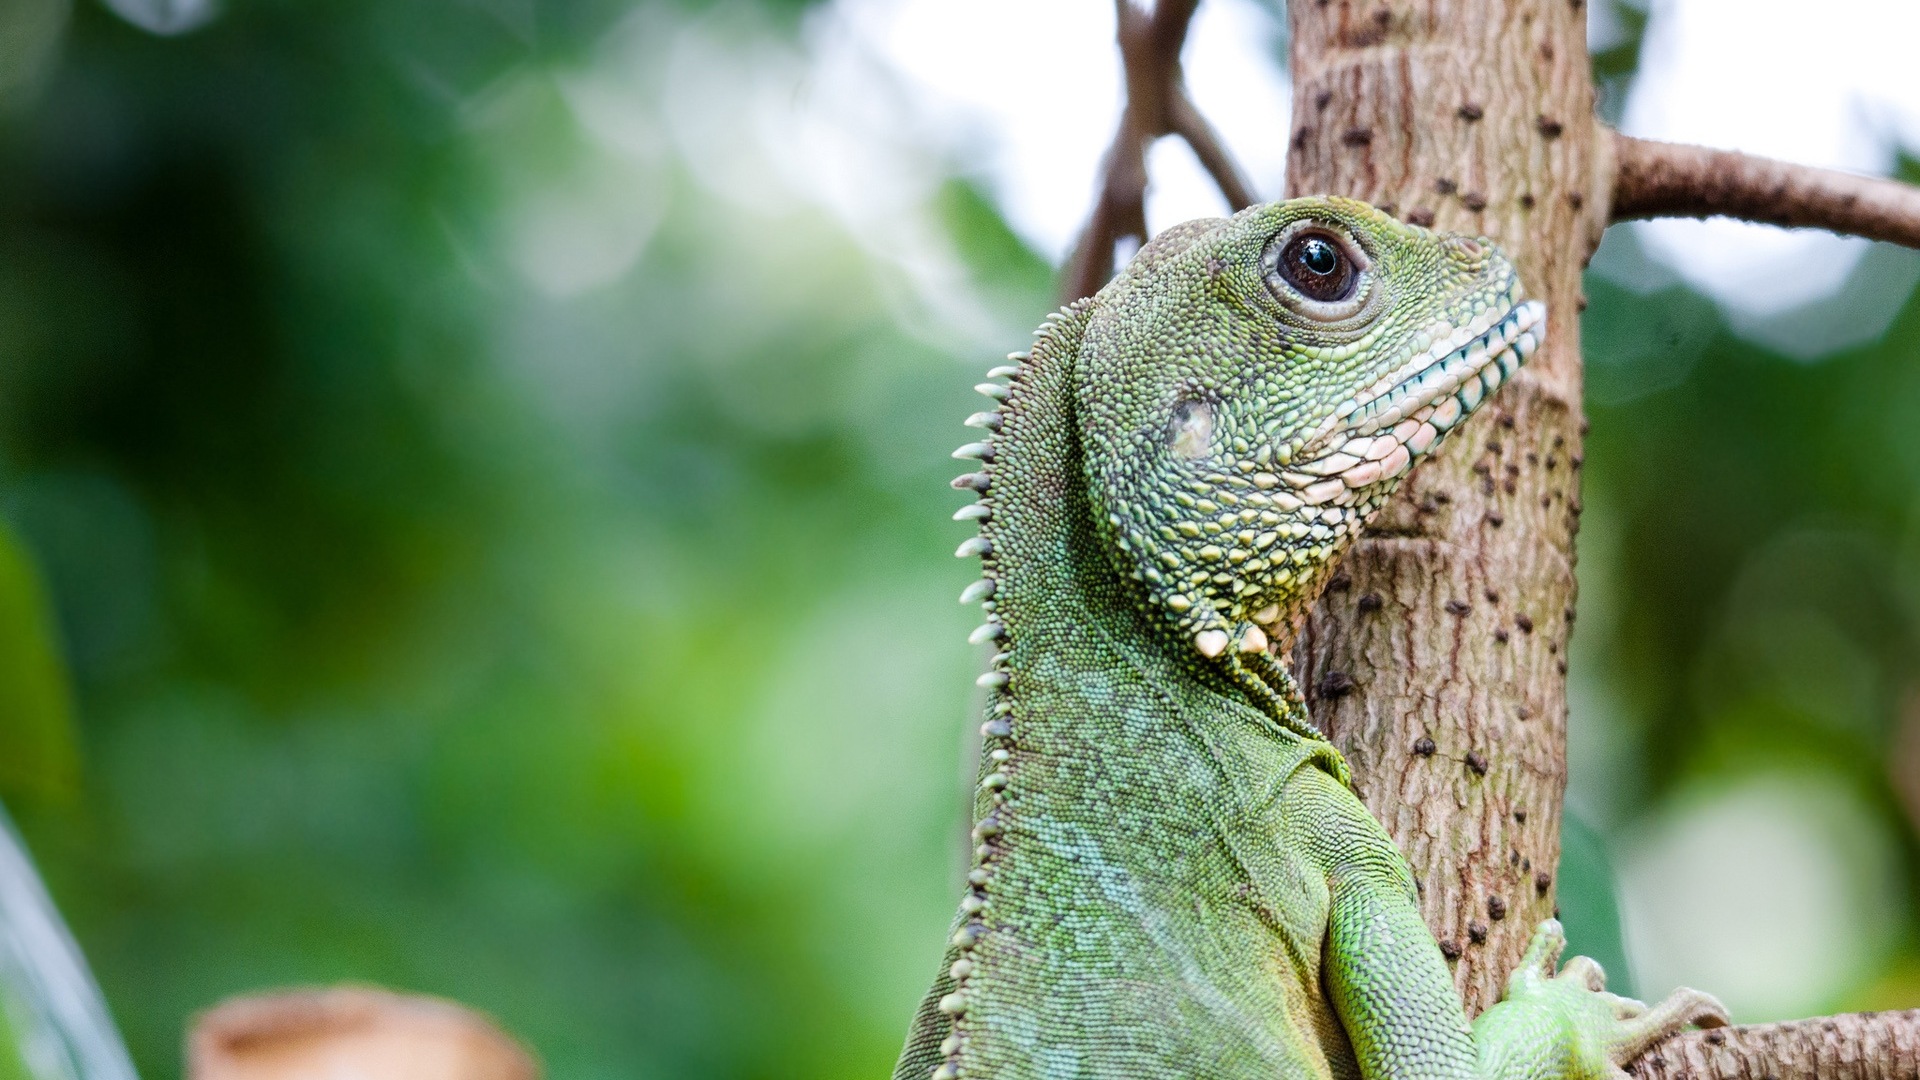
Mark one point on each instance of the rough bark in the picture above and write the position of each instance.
(1437, 657)
(1436, 661)
(1657, 179)
(1857, 1046)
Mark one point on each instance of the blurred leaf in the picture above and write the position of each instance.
(37, 752)
(1589, 904)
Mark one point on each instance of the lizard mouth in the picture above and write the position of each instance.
(1375, 435)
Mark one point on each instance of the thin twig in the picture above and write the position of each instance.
(1657, 179)
(1157, 105)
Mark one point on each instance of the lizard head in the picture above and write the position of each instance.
(1252, 389)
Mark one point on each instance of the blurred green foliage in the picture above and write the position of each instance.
(584, 648)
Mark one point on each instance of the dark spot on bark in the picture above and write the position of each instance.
(1458, 607)
(1546, 51)
(1340, 582)
(1520, 816)
(1450, 949)
(1322, 99)
(1506, 421)
(1474, 201)
(1495, 519)
(1524, 623)
(1482, 467)
(1471, 112)
(1577, 460)
(1715, 1038)
(1358, 136)
(1335, 684)
(1549, 127)
(1542, 881)
(1523, 713)
(1578, 202)
(1300, 138)
(1423, 746)
(1552, 461)
(1370, 603)
(1445, 186)
(1526, 202)
(1420, 216)
(1500, 635)
(1496, 908)
(1442, 498)
(1477, 762)
(1509, 486)
(1513, 858)
(1477, 932)
(1382, 16)
(1570, 616)
(1553, 646)
(1492, 597)
(1563, 667)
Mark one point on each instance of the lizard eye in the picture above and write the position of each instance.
(1317, 265)
(1317, 271)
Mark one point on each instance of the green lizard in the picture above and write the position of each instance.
(1172, 877)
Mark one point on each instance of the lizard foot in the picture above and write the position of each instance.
(1593, 1032)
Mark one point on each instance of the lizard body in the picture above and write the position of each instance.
(1171, 876)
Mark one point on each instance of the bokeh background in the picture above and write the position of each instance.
(473, 511)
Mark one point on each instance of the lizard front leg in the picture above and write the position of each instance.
(1396, 999)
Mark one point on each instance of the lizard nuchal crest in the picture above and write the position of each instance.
(1171, 877)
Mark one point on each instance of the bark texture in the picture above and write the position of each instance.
(1656, 179)
(1857, 1046)
(1436, 659)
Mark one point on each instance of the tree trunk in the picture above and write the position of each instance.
(1437, 658)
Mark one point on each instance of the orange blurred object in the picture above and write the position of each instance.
(351, 1033)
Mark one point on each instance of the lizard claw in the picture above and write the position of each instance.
(1603, 1031)
(1549, 938)
(1585, 971)
(1682, 1009)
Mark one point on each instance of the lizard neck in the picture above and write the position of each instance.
(1095, 713)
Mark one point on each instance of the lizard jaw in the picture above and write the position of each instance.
(1375, 435)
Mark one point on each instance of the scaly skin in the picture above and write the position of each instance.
(1172, 877)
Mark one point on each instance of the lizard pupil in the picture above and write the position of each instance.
(1318, 267)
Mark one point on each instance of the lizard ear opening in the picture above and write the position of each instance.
(1190, 432)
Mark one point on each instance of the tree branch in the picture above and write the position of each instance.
(1157, 105)
(1657, 179)
(1852, 1046)
(1212, 152)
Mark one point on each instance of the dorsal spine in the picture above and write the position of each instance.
(997, 732)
